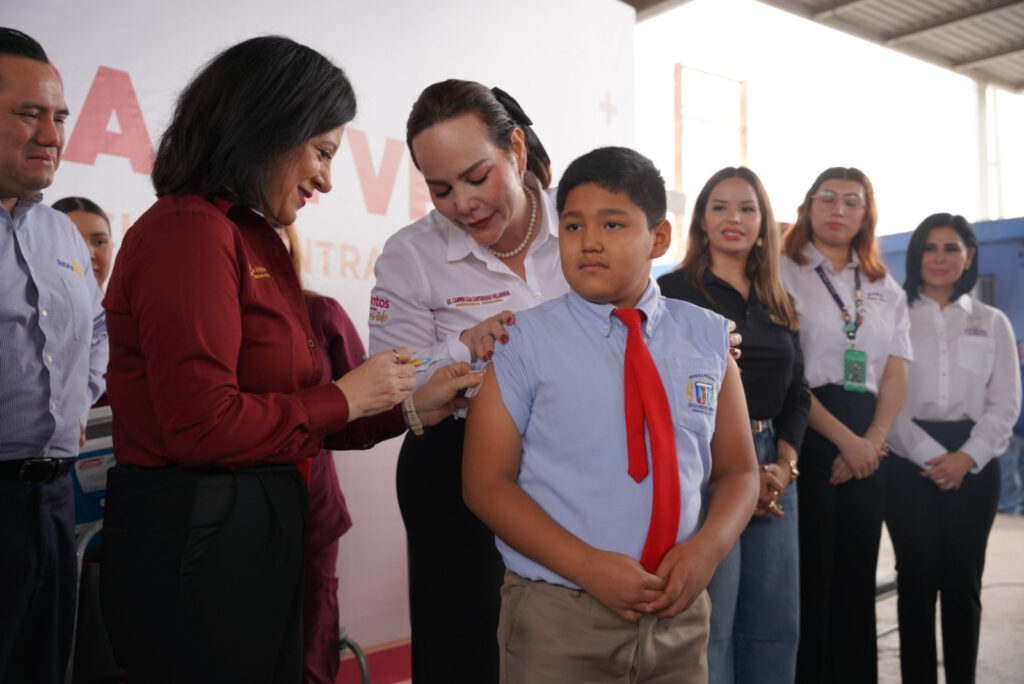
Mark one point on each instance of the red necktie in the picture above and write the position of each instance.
(646, 399)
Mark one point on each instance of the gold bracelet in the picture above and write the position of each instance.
(794, 472)
(412, 418)
(880, 431)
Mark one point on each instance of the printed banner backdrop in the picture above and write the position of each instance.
(569, 63)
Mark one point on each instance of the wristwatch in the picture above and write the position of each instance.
(794, 472)
(412, 419)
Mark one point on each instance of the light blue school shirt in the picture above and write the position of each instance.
(53, 333)
(561, 379)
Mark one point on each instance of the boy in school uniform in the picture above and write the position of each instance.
(588, 448)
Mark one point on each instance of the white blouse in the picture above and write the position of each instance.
(434, 281)
(965, 366)
(884, 332)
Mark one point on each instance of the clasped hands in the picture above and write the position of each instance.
(622, 585)
(385, 379)
(858, 457)
(774, 478)
(948, 470)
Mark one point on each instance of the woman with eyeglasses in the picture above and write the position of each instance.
(942, 479)
(732, 267)
(855, 335)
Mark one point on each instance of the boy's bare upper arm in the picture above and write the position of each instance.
(493, 444)
(732, 446)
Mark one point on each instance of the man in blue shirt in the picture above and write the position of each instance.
(550, 433)
(53, 353)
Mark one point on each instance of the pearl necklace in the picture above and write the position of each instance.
(529, 231)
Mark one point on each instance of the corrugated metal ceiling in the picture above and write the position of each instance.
(983, 39)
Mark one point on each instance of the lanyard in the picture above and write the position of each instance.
(849, 326)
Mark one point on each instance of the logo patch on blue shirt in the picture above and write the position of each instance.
(701, 393)
(74, 266)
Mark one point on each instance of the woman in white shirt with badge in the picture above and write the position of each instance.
(943, 475)
(854, 332)
(444, 286)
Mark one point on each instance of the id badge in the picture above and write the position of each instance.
(855, 368)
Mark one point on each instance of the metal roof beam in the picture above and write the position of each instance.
(995, 55)
(837, 9)
(645, 9)
(948, 20)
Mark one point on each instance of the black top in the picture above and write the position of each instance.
(772, 364)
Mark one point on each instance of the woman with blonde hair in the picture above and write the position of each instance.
(732, 267)
(855, 334)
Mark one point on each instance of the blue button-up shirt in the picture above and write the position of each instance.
(53, 335)
(561, 379)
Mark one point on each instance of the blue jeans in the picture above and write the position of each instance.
(1011, 500)
(755, 596)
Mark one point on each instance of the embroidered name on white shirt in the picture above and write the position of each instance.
(477, 300)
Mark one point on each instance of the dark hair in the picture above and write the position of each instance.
(496, 109)
(14, 43)
(801, 232)
(915, 252)
(70, 204)
(618, 169)
(243, 113)
(762, 266)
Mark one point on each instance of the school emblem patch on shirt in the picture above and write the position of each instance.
(701, 394)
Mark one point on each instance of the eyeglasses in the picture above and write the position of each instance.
(851, 200)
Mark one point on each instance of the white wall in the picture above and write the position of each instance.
(817, 98)
(565, 61)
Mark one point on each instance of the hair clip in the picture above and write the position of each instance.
(511, 106)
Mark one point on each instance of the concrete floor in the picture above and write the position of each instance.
(1001, 653)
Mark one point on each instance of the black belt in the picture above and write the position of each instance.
(35, 470)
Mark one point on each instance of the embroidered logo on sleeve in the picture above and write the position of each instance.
(258, 272)
(478, 300)
(701, 393)
(379, 307)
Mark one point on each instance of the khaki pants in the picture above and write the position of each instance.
(552, 634)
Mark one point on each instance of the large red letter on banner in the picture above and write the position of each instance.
(377, 186)
(111, 92)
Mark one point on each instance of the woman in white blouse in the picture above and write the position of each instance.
(854, 332)
(943, 477)
(445, 285)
